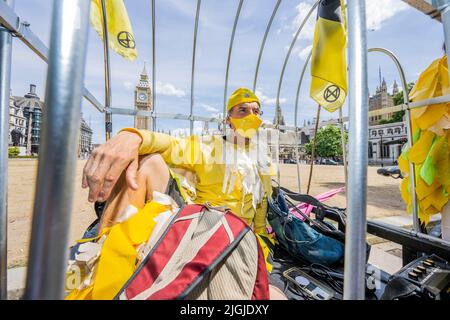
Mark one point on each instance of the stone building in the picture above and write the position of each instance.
(26, 122)
(386, 142)
(17, 125)
(382, 99)
(32, 107)
(85, 143)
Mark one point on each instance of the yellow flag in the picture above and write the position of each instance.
(328, 64)
(121, 37)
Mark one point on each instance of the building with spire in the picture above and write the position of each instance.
(278, 120)
(382, 99)
(143, 101)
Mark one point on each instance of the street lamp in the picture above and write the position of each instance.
(381, 147)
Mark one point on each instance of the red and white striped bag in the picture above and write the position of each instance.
(203, 253)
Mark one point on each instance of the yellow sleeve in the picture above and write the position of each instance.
(259, 221)
(181, 153)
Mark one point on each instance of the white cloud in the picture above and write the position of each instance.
(302, 9)
(128, 84)
(378, 12)
(184, 132)
(168, 89)
(303, 54)
(382, 10)
(209, 108)
(265, 100)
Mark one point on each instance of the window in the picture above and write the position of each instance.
(390, 131)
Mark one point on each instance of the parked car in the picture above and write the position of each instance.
(330, 162)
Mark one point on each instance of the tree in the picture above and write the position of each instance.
(328, 142)
(13, 152)
(398, 97)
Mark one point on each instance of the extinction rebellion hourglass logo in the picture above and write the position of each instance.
(331, 93)
(126, 40)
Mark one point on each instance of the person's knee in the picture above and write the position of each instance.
(152, 163)
(154, 170)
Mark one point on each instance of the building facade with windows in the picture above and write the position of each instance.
(386, 142)
(17, 125)
(26, 122)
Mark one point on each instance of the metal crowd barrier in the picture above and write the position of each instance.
(48, 248)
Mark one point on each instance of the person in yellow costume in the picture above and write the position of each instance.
(232, 170)
(431, 137)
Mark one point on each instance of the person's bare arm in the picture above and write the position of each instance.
(108, 161)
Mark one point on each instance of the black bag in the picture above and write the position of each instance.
(321, 212)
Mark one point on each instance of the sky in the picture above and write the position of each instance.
(415, 38)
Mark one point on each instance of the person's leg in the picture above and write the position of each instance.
(153, 175)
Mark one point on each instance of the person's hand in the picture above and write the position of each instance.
(108, 161)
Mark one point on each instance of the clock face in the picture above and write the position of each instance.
(142, 97)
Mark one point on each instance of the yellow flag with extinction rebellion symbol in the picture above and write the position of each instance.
(121, 37)
(328, 64)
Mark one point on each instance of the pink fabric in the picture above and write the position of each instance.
(307, 208)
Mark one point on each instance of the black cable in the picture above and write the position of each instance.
(324, 273)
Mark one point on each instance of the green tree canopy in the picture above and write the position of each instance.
(328, 142)
(13, 152)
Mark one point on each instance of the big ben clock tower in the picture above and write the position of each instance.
(143, 101)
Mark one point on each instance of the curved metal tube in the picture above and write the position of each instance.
(416, 224)
(107, 66)
(229, 58)
(269, 25)
(296, 116)
(299, 87)
(286, 59)
(153, 63)
(197, 14)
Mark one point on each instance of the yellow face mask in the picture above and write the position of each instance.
(246, 126)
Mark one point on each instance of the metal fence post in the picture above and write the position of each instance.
(302, 74)
(108, 115)
(194, 47)
(153, 63)
(5, 87)
(57, 158)
(230, 49)
(355, 242)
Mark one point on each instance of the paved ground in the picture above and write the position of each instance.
(383, 199)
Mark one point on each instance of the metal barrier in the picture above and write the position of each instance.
(230, 49)
(53, 202)
(288, 54)
(48, 246)
(355, 237)
(263, 44)
(107, 68)
(416, 224)
(194, 47)
(5, 84)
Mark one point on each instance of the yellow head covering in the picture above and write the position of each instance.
(241, 95)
